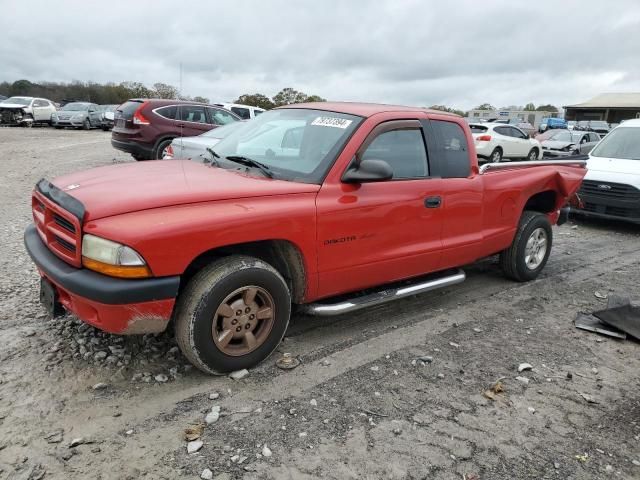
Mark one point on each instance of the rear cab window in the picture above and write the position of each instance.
(243, 113)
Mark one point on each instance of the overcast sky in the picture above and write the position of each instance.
(414, 52)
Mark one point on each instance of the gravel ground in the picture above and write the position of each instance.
(396, 392)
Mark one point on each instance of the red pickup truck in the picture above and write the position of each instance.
(327, 207)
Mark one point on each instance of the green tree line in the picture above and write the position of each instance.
(112, 93)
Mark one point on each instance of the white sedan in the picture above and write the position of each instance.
(195, 148)
(497, 141)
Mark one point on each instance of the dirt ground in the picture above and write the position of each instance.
(360, 406)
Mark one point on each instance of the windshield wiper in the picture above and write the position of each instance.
(249, 162)
(214, 155)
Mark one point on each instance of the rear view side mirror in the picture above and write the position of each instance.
(368, 171)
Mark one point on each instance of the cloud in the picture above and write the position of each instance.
(458, 53)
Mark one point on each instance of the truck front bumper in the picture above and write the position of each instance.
(110, 304)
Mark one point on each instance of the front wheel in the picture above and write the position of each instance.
(530, 249)
(533, 155)
(232, 314)
(86, 125)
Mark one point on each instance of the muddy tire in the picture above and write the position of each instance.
(232, 314)
(528, 254)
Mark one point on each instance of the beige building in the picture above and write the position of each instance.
(610, 107)
(533, 117)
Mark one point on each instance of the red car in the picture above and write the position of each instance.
(302, 204)
(145, 127)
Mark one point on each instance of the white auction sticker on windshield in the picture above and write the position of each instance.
(331, 122)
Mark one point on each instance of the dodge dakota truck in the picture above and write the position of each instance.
(323, 208)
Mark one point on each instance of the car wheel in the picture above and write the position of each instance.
(29, 122)
(86, 125)
(533, 155)
(530, 249)
(496, 155)
(161, 149)
(232, 314)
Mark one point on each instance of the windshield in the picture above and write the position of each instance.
(296, 144)
(76, 106)
(223, 131)
(559, 136)
(600, 124)
(18, 100)
(621, 143)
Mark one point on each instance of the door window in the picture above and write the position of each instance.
(243, 113)
(503, 131)
(192, 113)
(40, 103)
(404, 150)
(517, 133)
(452, 149)
(220, 117)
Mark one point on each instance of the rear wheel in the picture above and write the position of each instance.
(530, 249)
(533, 155)
(496, 155)
(232, 314)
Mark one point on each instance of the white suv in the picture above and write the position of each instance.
(611, 188)
(26, 111)
(497, 141)
(245, 112)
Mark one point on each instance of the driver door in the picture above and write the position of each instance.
(375, 233)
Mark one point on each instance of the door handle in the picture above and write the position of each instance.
(432, 202)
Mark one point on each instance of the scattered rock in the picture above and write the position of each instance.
(161, 378)
(29, 333)
(266, 451)
(524, 380)
(239, 374)
(569, 375)
(206, 474)
(588, 398)
(636, 462)
(193, 447)
(426, 359)
(375, 368)
(287, 362)
(441, 375)
(100, 386)
(55, 436)
(129, 432)
(77, 441)
(313, 402)
(302, 434)
(214, 396)
(601, 296)
(455, 345)
(213, 415)
(531, 410)
(594, 371)
(524, 366)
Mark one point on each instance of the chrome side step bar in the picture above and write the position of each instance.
(357, 303)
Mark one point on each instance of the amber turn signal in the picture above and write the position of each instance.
(119, 271)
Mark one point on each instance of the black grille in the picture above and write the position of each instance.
(64, 223)
(610, 190)
(69, 246)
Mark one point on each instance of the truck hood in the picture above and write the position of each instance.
(118, 189)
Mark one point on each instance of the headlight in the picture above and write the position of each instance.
(113, 259)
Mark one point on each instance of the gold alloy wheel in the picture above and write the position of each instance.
(243, 321)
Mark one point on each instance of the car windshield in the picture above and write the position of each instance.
(295, 144)
(559, 136)
(621, 143)
(222, 131)
(76, 106)
(18, 100)
(600, 124)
